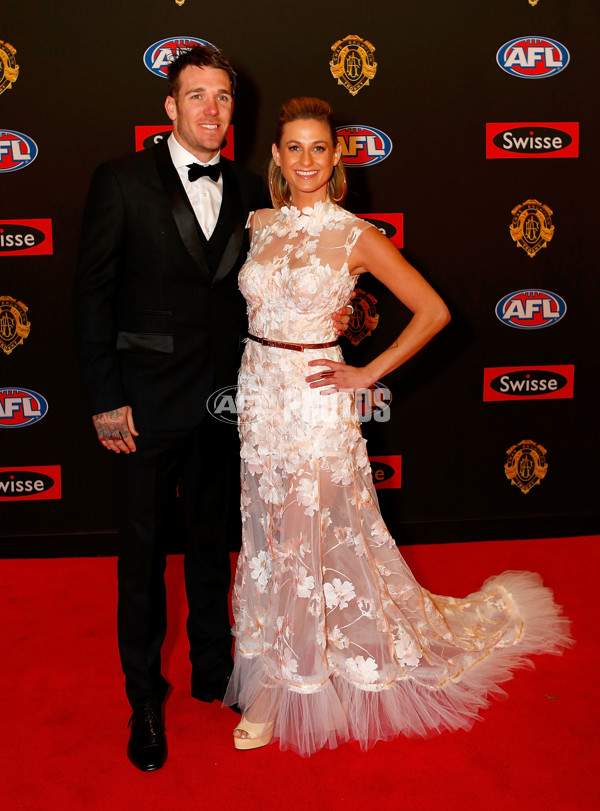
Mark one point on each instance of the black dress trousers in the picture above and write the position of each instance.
(202, 466)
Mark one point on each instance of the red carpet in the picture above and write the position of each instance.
(64, 712)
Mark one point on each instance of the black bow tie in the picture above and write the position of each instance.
(196, 170)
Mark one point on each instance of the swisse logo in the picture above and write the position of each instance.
(530, 309)
(532, 57)
(147, 136)
(21, 407)
(25, 237)
(16, 151)
(387, 471)
(528, 383)
(532, 140)
(159, 55)
(390, 225)
(28, 484)
(363, 146)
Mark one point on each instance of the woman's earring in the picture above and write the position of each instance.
(273, 195)
(337, 199)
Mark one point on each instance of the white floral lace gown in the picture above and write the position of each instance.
(334, 637)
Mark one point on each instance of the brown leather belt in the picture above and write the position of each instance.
(295, 347)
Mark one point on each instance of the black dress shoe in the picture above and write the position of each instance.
(147, 747)
(212, 691)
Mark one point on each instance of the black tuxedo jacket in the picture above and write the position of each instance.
(157, 331)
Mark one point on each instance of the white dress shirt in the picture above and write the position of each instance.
(204, 194)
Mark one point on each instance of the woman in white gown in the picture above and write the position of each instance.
(335, 639)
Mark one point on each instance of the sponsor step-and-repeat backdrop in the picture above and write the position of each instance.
(469, 134)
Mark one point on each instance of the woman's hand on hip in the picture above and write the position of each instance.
(339, 377)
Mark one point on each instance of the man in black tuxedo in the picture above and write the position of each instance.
(160, 321)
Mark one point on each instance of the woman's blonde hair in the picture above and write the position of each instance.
(305, 108)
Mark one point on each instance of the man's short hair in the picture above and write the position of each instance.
(199, 56)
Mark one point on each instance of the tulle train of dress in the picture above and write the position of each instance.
(335, 639)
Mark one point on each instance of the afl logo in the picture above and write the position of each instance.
(530, 309)
(532, 57)
(158, 56)
(21, 407)
(16, 151)
(363, 146)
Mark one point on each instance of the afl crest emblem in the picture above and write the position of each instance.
(14, 324)
(364, 319)
(531, 226)
(353, 64)
(9, 70)
(526, 465)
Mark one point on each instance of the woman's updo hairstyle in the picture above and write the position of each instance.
(305, 108)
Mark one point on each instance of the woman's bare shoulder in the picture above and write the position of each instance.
(258, 219)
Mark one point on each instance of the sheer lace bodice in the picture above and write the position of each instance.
(334, 636)
(297, 274)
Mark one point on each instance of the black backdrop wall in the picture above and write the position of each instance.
(82, 89)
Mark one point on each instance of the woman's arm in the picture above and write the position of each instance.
(375, 254)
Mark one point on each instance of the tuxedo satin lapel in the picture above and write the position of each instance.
(183, 213)
(234, 243)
